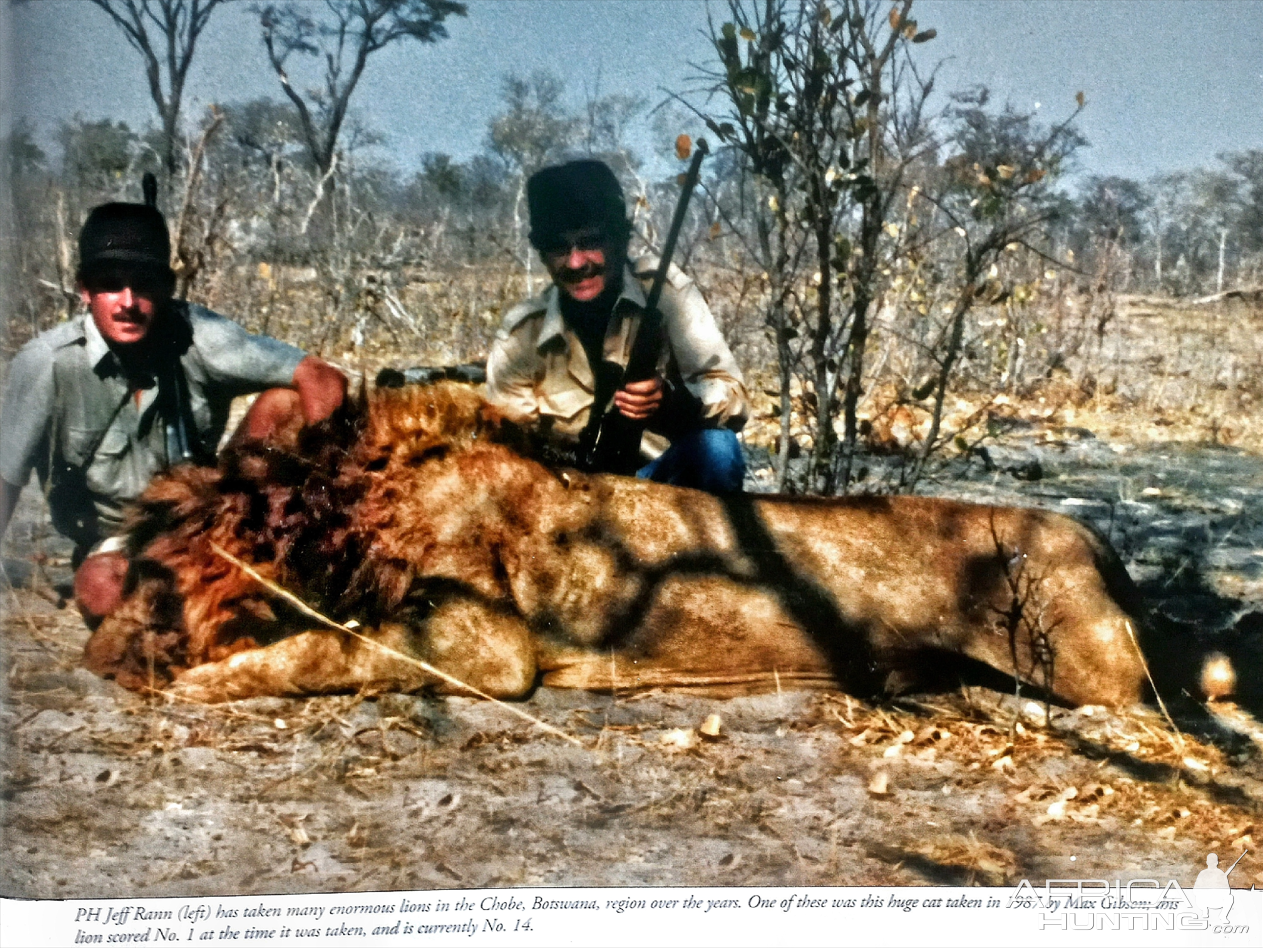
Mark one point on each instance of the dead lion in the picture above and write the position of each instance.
(422, 516)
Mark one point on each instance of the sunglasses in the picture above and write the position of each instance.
(583, 241)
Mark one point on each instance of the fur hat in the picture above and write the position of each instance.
(130, 237)
(577, 194)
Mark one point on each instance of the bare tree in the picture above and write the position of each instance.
(828, 113)
(995, 196)
(345, 37)
(1217, 199)
(745, 121)
(192, 244)
(165, 33)
(856, 222)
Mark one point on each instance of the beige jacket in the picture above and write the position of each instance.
(538, 369)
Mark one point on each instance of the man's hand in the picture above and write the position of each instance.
(321, 389)
(639, 400)
(278, 413)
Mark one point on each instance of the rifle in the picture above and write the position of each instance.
(611, 442)
(1234, 865)
(474, 373)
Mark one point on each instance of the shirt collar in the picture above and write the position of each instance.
(97, 348)
(554, 325)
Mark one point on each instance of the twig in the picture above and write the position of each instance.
(399, 311)
(1145, 665)
(195, 172)
(69, 294)
(18, 609)
(424, 666)
(320, 194)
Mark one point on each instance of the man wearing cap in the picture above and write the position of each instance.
(99, 404)
(541, 365)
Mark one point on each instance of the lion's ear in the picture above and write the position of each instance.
(492, 423)
(522, 436)
(513, 431)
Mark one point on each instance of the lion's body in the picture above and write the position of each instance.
(456, 548)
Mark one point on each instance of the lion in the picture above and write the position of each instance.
(430, 519)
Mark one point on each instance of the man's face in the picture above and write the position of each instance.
(583, 263)
(123, 305)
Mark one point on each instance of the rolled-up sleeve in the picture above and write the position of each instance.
(26, 414)
(702, 355)
(239, 360)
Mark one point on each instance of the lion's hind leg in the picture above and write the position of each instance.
(480, 644)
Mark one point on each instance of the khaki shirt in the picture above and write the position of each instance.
(538, 369)
(65, 386)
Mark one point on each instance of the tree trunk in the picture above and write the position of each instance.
(1223, 243)
(973, 268)
(822, 451)
(858, 343)
(1011, 363)
(774, 262)
(870, 236)
(170, 164)
(65, 267)
(519, 239)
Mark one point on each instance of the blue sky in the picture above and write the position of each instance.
(1168, 84)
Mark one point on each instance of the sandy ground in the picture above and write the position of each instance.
(109, 794)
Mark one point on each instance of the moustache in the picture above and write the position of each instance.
(579, 274)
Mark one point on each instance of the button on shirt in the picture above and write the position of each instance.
(65, 387)
(538, 369)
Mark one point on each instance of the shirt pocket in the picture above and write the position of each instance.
(76, 443)
(108, 469)
(558, 391)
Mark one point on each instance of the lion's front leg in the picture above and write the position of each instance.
(486, 648)
(321, 661)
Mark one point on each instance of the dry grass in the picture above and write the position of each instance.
(1181, 785)
(1157, 370)
(1161, 371)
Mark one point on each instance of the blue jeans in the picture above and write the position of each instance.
(708, 459)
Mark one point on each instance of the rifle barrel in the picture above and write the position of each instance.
(677, 223)
(1239, 858)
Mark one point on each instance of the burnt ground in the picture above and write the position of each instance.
(109, 794)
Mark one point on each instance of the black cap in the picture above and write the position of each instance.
(131, 237)
(577, 194)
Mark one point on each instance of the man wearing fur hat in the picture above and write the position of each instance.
(542, 362)
(99, 404)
